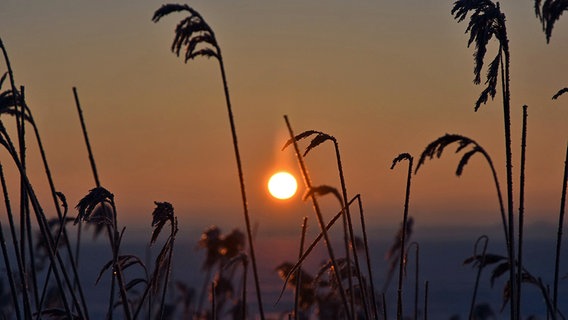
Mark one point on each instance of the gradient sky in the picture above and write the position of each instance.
(383, 77)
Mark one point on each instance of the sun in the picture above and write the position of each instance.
(282, 185)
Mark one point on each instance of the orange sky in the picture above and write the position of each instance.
(383, 77)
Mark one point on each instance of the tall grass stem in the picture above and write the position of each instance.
(403, 156)
(521, 209)
(308, 183)
(299, 271)
(559, 235)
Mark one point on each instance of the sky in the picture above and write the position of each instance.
(384, 77)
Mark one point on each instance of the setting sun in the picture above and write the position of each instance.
(282, 185)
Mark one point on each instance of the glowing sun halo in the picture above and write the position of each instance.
(282, 185)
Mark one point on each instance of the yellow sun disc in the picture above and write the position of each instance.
(282, 185)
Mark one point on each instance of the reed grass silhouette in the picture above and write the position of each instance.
(401, 157)
(559, 235)
(416, 273)
(487, 21)
(192, 33)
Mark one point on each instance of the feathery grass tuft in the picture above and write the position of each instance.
(548, 12)
(486, 22)
(190, 33)
(94, 198)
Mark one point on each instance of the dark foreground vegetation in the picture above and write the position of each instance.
(41, 278)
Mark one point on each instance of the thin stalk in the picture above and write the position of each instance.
(170, 243)
(319, 216)
(404, 226)
(299, 271)
(384, 306)
(22, 273)
(521, 209)
(11, 280)
(348, 262)
(368, 258)
(426, 300)
(416, 277)
(351, 238)
(86, 136)
(244, 294)
(116, 266)
(24, 200)
(242, 185)
(479, 269)
(91, 161)
(509, 165)
(559, 235)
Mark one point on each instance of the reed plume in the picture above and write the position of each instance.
(548, 12)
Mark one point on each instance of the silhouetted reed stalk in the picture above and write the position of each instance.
(521, 209)
(308, 183)
(559, 234)
(25, 219)
(384, 302)
(487, 21)
(86, 136)
(410, 159)
(426, 287)
(367, 256)
(299, 271)
(92, 163)
(480, 266)
(416, 274)
(5, 254)
(190, 33)
(319, 138)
